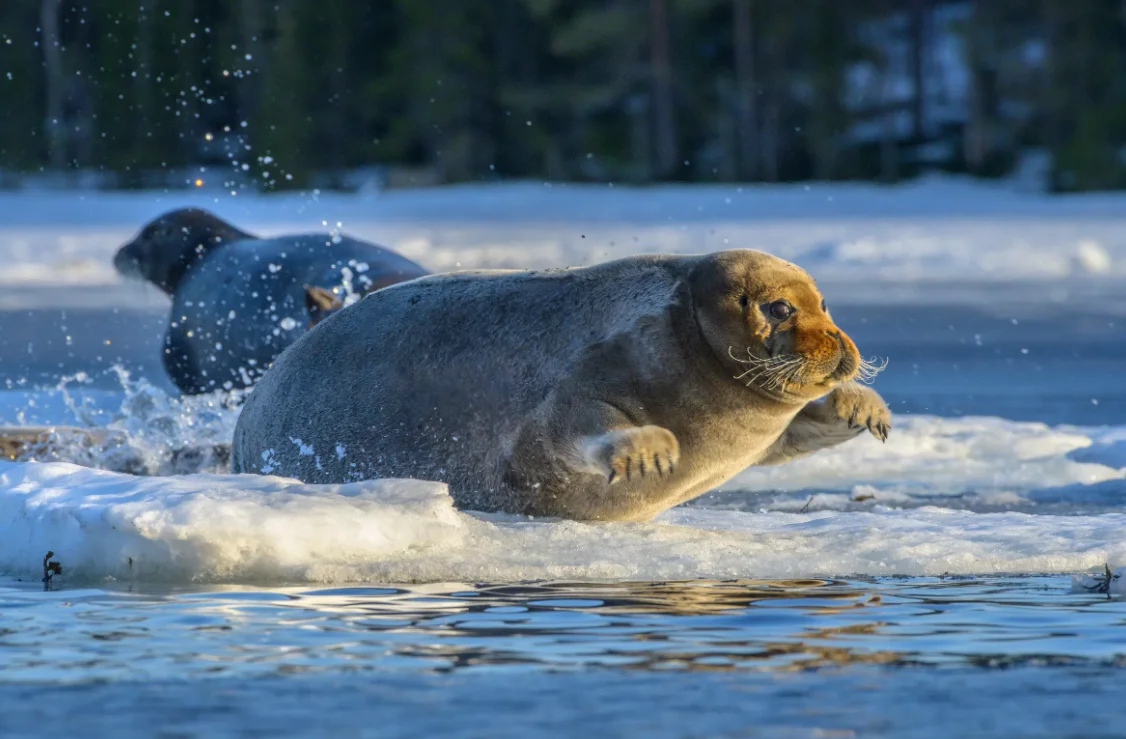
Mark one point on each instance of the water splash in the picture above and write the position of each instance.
(149, 432)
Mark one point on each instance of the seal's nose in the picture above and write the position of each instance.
(847, 362)
(125, 263)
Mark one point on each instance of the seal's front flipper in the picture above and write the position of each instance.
(639, 451)
(320, 303)
(841, 416)
(861, 408)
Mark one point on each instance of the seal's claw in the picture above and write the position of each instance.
(625, 452)
(861, 407)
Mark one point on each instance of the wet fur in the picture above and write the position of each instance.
(602, 393)
(232, 292)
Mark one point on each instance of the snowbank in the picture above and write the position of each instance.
(970, 462)
(259, 529)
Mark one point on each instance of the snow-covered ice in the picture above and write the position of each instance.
(250, 529)
(979, 463)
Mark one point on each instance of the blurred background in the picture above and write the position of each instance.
(339, 94)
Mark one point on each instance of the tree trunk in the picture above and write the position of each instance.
(770, 139)
(662, 89)
(187, 69)
(54, 125)
(919, 14)
(1053, 90)
(250, 23)
(745, 92)
(826, 150)
(889, 143)
(727, 132)
(143, 80)
(973, 139)
(338, 118)
(774, 74)
(638, 107)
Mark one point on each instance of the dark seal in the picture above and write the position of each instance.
(239, 300)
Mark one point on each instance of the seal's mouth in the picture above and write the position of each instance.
(852, 366)
(792, 375)
(847, 365)
(126, 264)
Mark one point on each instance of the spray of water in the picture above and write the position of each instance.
(149, 433)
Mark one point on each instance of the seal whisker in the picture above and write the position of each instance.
(773, 378)
(767, 372)
(796, 370)
(785, 370)
(867, 370)
(749, 371)
(759, 371)
(754, 377)
(789, 376)
(751, 358)
(758, 366)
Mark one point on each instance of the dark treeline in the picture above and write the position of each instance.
(288, 93)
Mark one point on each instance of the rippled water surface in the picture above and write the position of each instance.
(919, 656)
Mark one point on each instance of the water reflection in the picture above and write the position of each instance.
(762, 625)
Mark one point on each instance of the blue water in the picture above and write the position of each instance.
(923, 657)
(919, 657)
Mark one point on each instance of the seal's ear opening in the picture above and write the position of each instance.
(320, 303)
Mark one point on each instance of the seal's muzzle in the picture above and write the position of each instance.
(126, 264)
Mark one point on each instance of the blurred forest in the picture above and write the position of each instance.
(281, 94)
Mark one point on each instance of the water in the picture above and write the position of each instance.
(211, 606)
(873, 657)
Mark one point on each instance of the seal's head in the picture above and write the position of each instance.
(167, 247)
(767, 323)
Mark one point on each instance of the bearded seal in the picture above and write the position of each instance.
(239, 300)
(610, 392)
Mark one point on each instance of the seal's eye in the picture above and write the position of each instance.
(743, 301)
(780, 310)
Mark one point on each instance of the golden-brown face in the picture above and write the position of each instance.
(766, 320)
